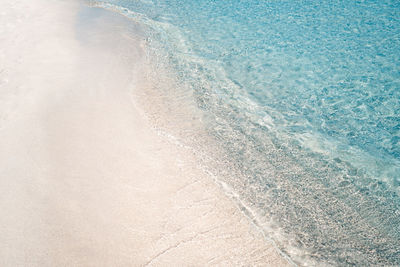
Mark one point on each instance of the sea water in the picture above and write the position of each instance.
(305, 98)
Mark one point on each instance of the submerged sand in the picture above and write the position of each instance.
(84, 178)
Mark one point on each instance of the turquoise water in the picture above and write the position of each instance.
(305, 97)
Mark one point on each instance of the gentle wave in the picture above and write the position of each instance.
(305, 100)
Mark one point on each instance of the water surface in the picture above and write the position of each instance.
(305, 96)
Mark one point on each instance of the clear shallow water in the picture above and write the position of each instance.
(305, 97)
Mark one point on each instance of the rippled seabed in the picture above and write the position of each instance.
(305, 96)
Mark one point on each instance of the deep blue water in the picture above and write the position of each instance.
(305, 96)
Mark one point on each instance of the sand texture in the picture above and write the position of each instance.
(84, 178)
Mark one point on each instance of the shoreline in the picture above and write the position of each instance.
(89, 182)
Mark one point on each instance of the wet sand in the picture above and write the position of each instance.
(85, 180)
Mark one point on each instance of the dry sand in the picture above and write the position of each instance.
(84, 179)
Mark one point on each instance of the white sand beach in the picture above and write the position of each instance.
(84, 178)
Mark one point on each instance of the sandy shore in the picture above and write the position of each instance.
(84, 179)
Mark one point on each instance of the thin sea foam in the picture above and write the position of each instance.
(305, 97)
